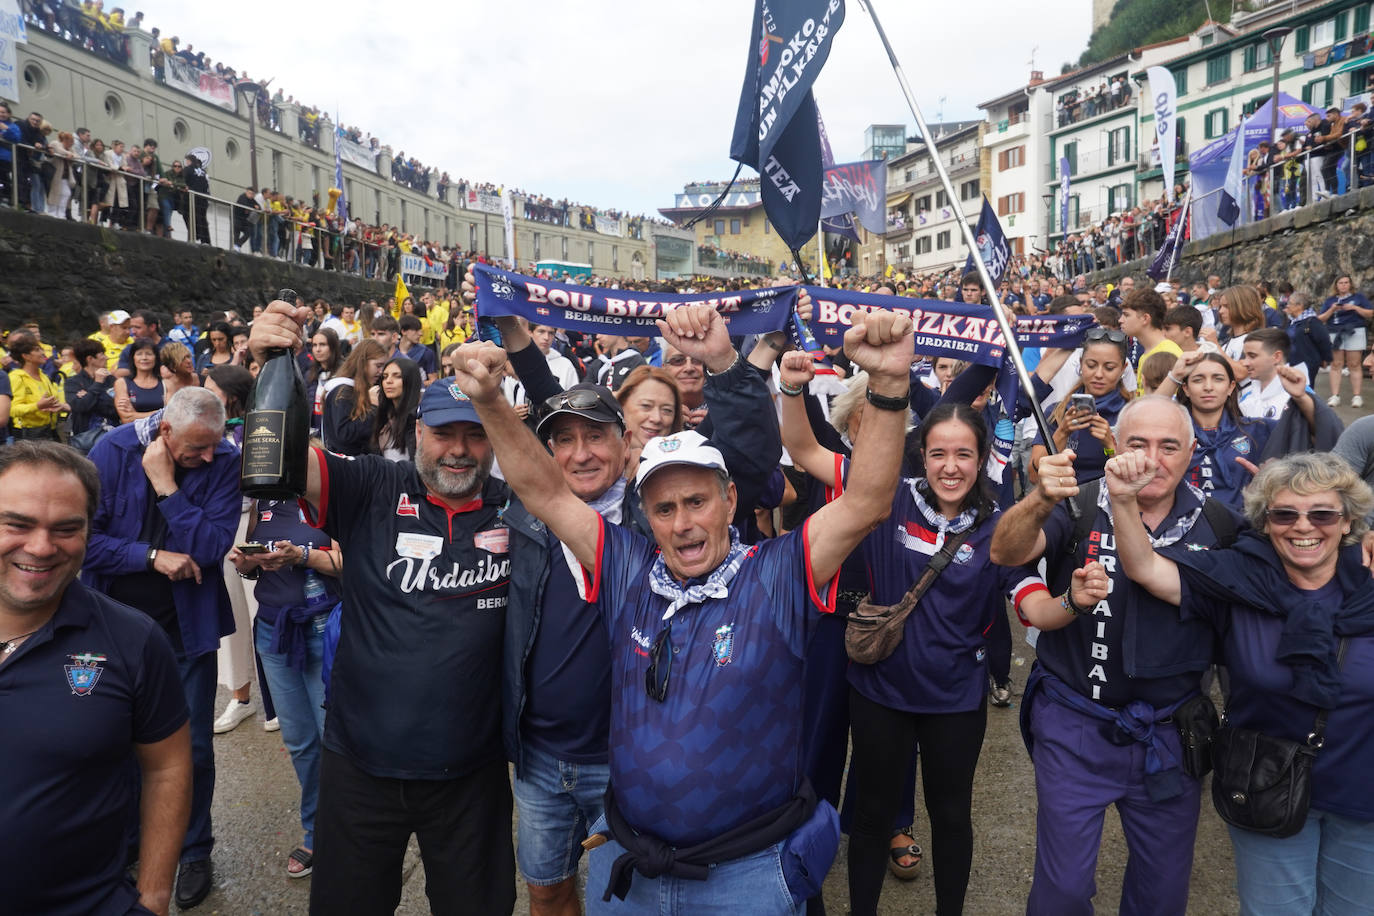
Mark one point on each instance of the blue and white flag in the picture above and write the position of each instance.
(992, 244)
(1163, 95)
(844, 223)
(1233, 191)
(1064, 195)
(342, 208)
(1162, 267)
(775, 125)
(859, 188)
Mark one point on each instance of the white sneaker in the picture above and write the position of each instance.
(1357, 401)
(271, 725)
(233, 714)
(1345, 370)
(1333, 401)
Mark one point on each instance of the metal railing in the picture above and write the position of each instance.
(67, 23)
(156, 205)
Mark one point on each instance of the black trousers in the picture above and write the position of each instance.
(364, 823)
(949, 747)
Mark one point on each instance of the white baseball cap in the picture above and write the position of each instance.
(687, 447)
(119, 316)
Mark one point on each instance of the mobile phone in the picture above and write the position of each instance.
(1083, 403)
(252, 547)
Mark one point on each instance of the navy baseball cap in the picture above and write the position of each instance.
(444, 402)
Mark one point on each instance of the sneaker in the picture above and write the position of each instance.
(1333, 401)
(1357, 401)
(271, 725)
(194, 881)
(1000, 695)
(233, 714)
(1345, 370)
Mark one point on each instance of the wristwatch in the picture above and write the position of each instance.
(152, 556)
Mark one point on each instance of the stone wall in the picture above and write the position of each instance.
(1309, 248)
(65, 273)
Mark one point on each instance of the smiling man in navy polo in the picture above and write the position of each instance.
(708, 800)
(412, 736)
(86, 686)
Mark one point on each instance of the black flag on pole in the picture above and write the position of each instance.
(775, 127)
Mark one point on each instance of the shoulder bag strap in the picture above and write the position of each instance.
(1318, 736)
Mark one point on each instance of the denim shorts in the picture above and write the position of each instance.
(556, 801)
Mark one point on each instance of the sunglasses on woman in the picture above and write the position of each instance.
(1322, 518)
(1111, 334)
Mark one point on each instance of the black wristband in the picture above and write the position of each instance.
(883, 402)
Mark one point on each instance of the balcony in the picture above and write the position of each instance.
(1090, 163)
(1016, 127)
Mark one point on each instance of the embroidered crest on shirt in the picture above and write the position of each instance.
(1241, 444)
(723, 648)
(963, 554)
(84, 672)
(405, 507)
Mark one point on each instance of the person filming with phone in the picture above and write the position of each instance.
(1083, 420)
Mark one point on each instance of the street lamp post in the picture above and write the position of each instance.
(250, 92)
(1275, 37)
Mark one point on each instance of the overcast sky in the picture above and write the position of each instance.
(607, 102)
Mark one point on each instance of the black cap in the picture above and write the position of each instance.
(591, 402)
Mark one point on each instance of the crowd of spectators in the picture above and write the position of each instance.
(1080, 105)
(1332, 155)
(372, 368)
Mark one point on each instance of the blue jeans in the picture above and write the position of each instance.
(556, 801)
(299, 700)
(1326, 868)
(274, 234)
(198, 678)
(167, 206)
(753, 884)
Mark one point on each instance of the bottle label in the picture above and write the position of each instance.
(263, 448)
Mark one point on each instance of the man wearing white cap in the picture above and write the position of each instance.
(115, 338)
(707, 802)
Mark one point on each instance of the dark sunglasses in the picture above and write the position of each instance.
(1322, 518)
(1111, 334)
(582, 399)
(678, 359)
(660, 665)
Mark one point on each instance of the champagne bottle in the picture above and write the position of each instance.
(276, 430)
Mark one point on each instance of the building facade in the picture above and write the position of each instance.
(1018, 155)
(736, 239)
(117, 96)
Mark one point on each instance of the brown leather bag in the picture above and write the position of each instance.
(874, 632)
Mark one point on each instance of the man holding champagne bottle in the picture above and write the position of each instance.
(412, 737)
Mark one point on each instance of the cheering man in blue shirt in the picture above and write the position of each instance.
(707, 800)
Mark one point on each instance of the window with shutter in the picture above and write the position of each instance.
(1361, 20)
(1342, 20)
(1250, 59)
(1301, 40)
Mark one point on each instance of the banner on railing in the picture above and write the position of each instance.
(13, 31)
(859, 188)
(414, 265)
(193, 81)
(484, 202)
(357, 154)
(607, 226)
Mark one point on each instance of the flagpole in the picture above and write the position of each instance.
(1182, 225)
(820, 250)
(1008, 332)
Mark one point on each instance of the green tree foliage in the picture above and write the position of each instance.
(1134, 23)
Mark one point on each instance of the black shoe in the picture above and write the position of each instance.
(194, 881)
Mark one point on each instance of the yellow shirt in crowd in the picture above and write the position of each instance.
(26, 393)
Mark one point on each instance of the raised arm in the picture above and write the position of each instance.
(527, 466)
(1020, 534)
(1126, 475)
(881, 344)
(795, 371)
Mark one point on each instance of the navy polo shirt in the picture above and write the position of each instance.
(568, 673)
(940, 665)
(416, 683)
(75, 698)
(725, 744)
(1261, 699)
